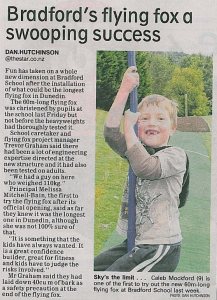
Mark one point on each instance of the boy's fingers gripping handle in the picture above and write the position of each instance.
(130, 80)
(132, 69)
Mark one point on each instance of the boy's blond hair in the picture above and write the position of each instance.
(170, 105)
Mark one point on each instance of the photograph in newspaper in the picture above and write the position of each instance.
(173, 180)
(77, 77)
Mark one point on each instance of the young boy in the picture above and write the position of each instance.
(159, 179)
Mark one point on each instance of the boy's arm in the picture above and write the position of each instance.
(116, 140)
(129, 81)
(143, 164)
(130, 120)
(112, 134)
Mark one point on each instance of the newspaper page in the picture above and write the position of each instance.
(63, 194)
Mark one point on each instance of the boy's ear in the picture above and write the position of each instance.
(172, 130)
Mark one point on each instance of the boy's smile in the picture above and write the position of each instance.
(154, 126)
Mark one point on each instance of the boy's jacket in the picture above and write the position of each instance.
(185, 185)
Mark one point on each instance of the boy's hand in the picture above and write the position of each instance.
(130, 80)
(130, 118)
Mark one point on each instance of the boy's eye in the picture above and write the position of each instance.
(161, 118)
(143, 119)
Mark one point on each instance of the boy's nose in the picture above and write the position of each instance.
(152, 121)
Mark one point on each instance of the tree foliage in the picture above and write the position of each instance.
(144, 76)
(161, 71)
(188, 81)
(111, 66)
(203, 63)
(171, 74)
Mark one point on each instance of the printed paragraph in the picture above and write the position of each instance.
(43, 154)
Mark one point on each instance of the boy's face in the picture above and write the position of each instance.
(154, 126)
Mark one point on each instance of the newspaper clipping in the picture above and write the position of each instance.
(102, 198)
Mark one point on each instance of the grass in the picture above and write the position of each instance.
(207, 136)
(195, 216)
(111, 172)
